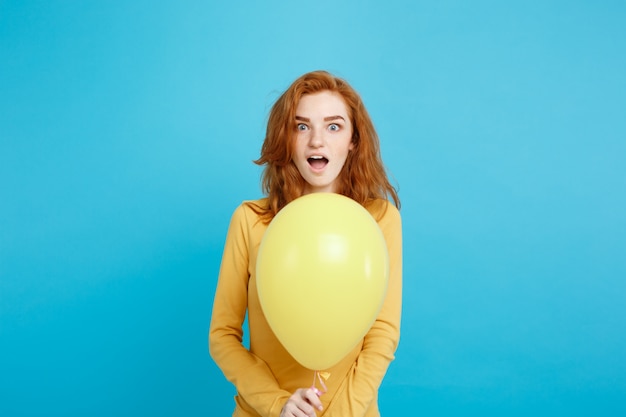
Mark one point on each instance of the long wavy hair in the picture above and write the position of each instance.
(363, 177)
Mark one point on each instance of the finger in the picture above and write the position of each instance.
(294, 410)
(304, 410)
(313, 398)
(298, 405)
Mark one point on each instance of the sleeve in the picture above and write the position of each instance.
(379, 345)
(251, 376)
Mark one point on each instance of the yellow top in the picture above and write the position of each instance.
(266, 375)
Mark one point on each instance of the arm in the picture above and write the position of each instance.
(250, 375)
(380, 343)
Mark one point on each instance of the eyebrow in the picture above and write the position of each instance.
(326, 119)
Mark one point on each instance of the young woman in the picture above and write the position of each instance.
(319, 139)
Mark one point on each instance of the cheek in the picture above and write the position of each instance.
(297, 147)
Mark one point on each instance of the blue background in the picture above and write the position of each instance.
(127, 130)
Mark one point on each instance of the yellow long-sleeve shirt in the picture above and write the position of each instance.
(266, 375)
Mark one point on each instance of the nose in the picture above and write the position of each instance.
(316, 140)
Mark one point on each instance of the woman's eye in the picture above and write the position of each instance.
(301, 126)
(334, 127)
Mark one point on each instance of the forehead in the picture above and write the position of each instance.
(322, 104)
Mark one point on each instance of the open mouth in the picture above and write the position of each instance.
(317, 162)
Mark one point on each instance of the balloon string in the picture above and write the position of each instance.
(318, 377)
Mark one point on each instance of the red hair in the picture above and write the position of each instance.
(363, 177)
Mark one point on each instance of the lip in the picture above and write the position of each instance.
(313, 155)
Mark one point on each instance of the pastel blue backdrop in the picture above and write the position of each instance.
(127, 130)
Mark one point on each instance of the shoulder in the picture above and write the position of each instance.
(249, 211)
(389, 221)
(383, 211)
(388, 218)
(254, 205)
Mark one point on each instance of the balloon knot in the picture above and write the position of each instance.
(321, 377)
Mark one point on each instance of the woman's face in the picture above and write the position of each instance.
(323, 140)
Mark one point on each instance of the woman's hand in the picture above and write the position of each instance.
(302, 403)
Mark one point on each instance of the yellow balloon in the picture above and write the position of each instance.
(322, 272)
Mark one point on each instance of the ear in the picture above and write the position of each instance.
(354, 141)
